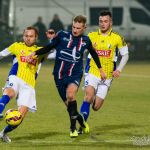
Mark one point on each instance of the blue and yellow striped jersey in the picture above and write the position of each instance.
(106, 47)
(27, 72)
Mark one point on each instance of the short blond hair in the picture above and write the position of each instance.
(80, 19)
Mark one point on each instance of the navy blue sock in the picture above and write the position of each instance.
(3, 101)
(85, 109)
(9, 128)
(73, 113)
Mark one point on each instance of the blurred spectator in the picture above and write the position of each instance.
(56, 23)
(6, 35)
(50, 34)
(42, 39)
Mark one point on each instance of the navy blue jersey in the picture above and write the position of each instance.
(69, 53)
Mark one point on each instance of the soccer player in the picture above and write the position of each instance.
(68, 69)
(107, 44)
(22, 77)
(50, 33)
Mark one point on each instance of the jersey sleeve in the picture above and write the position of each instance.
(13, 48)
(121, 42)
(122, 46)
(4, 53)
(54, 42)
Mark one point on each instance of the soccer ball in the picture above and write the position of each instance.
(13, 117)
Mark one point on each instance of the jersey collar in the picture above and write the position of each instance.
(108, 33)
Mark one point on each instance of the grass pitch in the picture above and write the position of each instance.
(122, 123)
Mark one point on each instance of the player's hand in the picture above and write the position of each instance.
(30, 57)
(103, 75)
(116, 74)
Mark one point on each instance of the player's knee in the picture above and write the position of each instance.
(71, 92)
(10, 92)
(88, 98)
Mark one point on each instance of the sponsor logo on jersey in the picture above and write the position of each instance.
(104, 53)
(23, 59)
(70, 55)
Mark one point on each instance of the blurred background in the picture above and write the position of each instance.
(131, 18)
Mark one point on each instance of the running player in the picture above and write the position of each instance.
(22, 77)
(68, 69)
(107, 44)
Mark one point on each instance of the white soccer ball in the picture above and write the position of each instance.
(13, 117)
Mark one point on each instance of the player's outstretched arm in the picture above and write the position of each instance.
(44, 50)
(49, 48)
(4, 53)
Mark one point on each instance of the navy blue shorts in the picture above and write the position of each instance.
(62, 84)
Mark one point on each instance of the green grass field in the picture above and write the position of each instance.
(122, 123)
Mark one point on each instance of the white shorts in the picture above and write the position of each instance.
(101, 87)
(25, 93)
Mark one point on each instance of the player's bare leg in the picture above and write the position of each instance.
(97, 103)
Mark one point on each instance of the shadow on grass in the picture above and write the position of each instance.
(89, 141)
(121, 129)
(34, 136)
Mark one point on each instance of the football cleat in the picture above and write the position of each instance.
(84, 127)
(80, 131)
(73, 134)
(4, 137)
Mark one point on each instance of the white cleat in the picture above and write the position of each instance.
(4, 137)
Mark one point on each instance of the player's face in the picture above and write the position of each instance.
(50, 34)
(29, 37)
(105, 23)
(78, 28)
